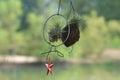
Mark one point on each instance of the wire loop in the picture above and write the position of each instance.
(47, 41)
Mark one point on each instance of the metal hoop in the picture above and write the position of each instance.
(45, 27)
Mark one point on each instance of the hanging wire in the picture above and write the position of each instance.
(59, 7)
(71, 9)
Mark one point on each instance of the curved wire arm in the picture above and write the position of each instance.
(53, 49)
(71, 4)
(71, 9)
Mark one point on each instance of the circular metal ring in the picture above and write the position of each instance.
(67, 23)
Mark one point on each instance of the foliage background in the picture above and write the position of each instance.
(21, 23)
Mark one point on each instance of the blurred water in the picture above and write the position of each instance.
(67, 72)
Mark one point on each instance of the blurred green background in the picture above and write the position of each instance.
(21, 24)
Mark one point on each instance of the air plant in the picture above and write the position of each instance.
(55, 33)
(71, 33)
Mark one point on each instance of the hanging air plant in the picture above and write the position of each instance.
(69, 35)
(74, 33)
(55, 32)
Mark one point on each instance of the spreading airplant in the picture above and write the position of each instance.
(71, 33)
(55, 33)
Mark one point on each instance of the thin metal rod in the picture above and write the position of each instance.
(59, 7)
